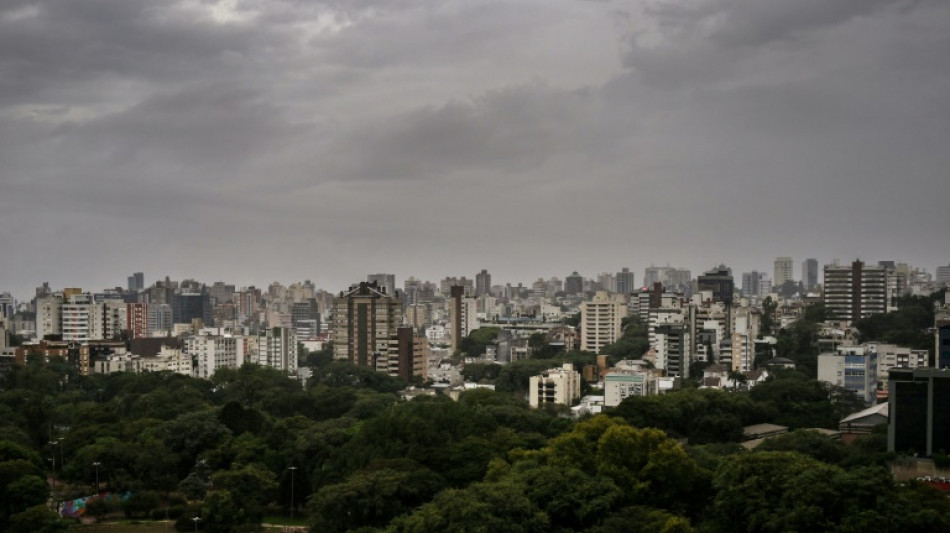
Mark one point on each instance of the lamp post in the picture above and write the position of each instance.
(52, 458)
(196, 520)
(292, 470)
(96, 464)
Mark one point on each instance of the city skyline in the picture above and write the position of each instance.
(28, 290)
(261, 141)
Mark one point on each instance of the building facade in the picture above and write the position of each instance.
(364, 319)
(601, 320)
(555, 386)
(855, 291)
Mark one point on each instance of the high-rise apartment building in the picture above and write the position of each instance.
(305, 318)
(7, 305)
(783, 271)
(463, 315)
(49, 310)
(810, 273)
(719, 281)
(136, 319)
(574, 284)
(601, 320)
(277, 349)
(625, 281)
(407, 357)
(364, 319)
(482, 283)
(855, 291)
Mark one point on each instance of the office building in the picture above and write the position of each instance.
(601, 320)
(364, 319)
(943, 275)
(136, 282)
(918, 411)
(718, 281)
(855, 291)
(942, 340)
(810, 273)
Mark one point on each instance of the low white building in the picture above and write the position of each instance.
(557, 385)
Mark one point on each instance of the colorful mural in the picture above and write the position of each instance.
(77, 508)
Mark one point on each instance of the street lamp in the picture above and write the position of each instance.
(196, 520)
(96, 464)
(292, 470)
(52, 458)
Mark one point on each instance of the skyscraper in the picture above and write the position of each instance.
(482, 283)
(136, 282)
(625, 281)
(810, 273)
(783, 271)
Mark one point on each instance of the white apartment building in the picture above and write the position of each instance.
(601, 320)
(168, 359)
(215, 351)
(49, 315)
(892, 356)
(852, 367)
(277, 348)
(555, 386)
(620, 384)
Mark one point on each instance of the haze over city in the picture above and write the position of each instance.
(255, 141)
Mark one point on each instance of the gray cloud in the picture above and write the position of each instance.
(260, 140)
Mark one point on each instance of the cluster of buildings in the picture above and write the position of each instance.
(706, 324)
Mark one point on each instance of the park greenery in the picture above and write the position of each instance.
(221, 450)
(344, 453)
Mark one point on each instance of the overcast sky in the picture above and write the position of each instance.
(252, 141)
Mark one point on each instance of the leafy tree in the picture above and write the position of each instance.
(37, 519)
(374, 496)
(345, 374)
(478, 340)
(479, 372)
(481, 507)
(253, 486)
(193, 487)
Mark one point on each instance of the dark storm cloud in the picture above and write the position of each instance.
(260, 140)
